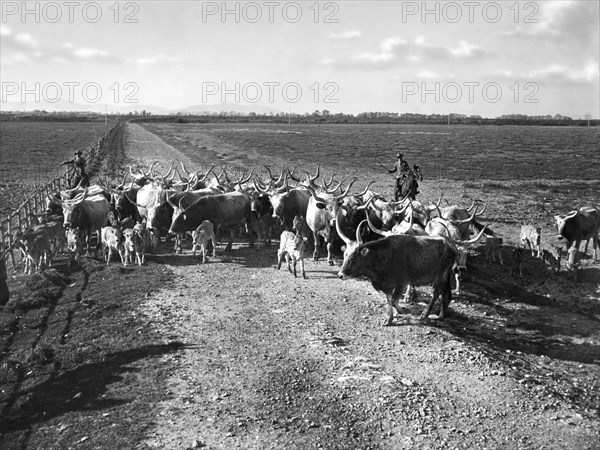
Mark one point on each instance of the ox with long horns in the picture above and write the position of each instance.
(320, 216)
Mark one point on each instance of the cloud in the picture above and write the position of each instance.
(558, 73)
(559, 20)
(24, 48)
(395, 51)
(345, 35)
(158, 59)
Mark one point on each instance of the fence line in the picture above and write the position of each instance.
(21, 218)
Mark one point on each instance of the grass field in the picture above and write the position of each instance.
(30, 153)
(452, 152)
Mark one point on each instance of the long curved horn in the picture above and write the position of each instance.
(242, 181)
(326, 184)
(358, 236)
(122, 185)
(259, 188)
(270, 174)
(341, 234)
(482, 211)
(284, 188)
(375, 229)
(461, 222)
(283, 172)
(56, 201)
(440, 199)
(294, 178)
(184, 179)
(134, 203)
(209, 171)
(474, 240)
(318, 172)
(471, 207)
(315, 196)
(331, 191)
(171, 203)
(183, 167)
(366, 189)
(149, 174)
(346, 191)
(83, 195)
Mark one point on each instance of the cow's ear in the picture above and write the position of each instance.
(343, 248)
(320, 205)
(364, 251)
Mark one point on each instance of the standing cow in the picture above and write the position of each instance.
(87, 213)
(583, 224)
(394, 262)
(232, 208)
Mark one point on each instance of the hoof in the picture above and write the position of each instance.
(388, 323)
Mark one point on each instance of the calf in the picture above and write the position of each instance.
(75, 242)
(112, 239)
(136, 240)
(300, 227)
(530, 237)
(291, 248)
(201, 236)
(37, 248)
(493, 249)
(552, 257)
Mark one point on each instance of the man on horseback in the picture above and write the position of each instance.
(401, 166)
(78, 174)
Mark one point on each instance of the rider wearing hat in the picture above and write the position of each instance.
(401, 166)
(78, 164)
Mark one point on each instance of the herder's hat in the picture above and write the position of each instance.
(78, 152)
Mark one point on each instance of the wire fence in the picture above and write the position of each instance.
(23, 217)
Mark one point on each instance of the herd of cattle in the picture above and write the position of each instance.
(394, 244)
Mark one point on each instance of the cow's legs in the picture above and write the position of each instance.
(436, 294)
(302, 268)
(316, 251)
(446, 297)
(329, 257)
(409, 294)
(230, 243)
(294, 262)
(393, 298)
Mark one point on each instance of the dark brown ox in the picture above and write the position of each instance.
(583, 224)
(394, 262)
(288, 203)
(87, 213)
(232, 208)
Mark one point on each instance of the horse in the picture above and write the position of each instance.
(407, 185)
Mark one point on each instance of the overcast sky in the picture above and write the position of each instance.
(485, 58)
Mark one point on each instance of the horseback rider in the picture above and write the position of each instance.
(78, 174)
(402, 167)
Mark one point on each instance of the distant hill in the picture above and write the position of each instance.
(224, 107)
(63, 105)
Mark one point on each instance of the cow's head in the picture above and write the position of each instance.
(71, 209)
(330, 203)
(351, 245)
(561, 224)
(463, 249)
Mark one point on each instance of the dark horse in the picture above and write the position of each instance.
(407, 185)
